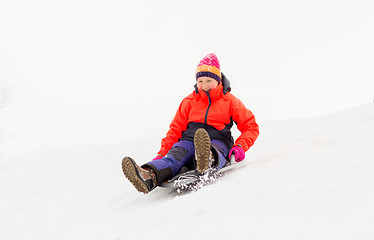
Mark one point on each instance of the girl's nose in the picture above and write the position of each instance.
(205, 87)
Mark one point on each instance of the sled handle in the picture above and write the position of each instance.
(232, 158)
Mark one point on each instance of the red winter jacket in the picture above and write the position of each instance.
(215, 111)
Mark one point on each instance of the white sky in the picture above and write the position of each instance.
(81, 70)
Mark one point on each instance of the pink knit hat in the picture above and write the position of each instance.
(209, 67)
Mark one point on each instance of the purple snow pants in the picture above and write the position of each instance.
(182, 155)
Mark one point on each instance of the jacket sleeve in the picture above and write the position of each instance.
(177, 127)
(246, 123)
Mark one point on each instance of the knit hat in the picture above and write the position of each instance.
(209, 67)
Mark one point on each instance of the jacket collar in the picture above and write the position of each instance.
(213, 94)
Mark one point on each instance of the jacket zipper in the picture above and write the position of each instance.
(207, 110)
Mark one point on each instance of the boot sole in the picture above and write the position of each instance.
(132, 174)
(202, 148)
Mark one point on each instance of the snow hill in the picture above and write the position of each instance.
(306, 178)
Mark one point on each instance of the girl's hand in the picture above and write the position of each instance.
(238, 153)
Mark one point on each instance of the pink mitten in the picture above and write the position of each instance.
(159, 156)
(239, 153)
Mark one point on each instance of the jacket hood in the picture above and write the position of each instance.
(225, 84)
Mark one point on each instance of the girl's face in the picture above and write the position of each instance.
(206, 83)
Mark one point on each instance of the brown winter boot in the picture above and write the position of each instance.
(203, 154)
(144, 180)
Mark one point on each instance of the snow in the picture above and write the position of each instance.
(305, 178)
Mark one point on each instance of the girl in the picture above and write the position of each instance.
(199, 135)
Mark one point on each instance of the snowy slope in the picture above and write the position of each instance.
(304, 179)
